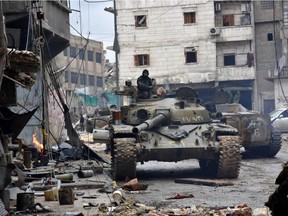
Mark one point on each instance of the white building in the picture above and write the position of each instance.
(199, 43)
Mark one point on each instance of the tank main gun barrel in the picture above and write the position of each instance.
(149, 123)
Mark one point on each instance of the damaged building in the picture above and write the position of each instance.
(22, 79)
(29, 26)
(208, 45)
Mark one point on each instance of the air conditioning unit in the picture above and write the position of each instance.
(217, 7)
(215, 31)
(245, 8)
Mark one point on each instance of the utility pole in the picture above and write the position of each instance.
(115, 48)
(3, 44)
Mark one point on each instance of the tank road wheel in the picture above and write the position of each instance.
(229, 157)
(228, 164)
(124, 159)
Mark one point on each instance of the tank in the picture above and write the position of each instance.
(258, 136)
(172, 129)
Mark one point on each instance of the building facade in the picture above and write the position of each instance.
(83, 79)
(268, 49)
(208, 45)
(274, 36)
(29, 26)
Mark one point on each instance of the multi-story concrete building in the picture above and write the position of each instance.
(268, 50)
(29, 26)
(204, 44)
(271, 30)
(84, 77)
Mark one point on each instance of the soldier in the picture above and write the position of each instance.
(278, 202)
(145, 85)
(82, 122)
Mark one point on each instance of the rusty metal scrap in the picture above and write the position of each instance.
(22, 66)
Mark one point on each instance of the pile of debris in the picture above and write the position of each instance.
(22, 67)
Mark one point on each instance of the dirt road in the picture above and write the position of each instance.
(253, 187)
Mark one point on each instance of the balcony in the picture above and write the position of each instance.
(282, 74)
(56, 30)
(235, 73)
(234, 33)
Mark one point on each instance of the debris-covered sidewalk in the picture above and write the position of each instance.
(84, 187)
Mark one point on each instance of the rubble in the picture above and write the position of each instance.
(22, 67)
(76, 187)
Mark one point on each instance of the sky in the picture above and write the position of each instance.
(89, 19)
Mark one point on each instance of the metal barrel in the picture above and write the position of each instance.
(149, 123)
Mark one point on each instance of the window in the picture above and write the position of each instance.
(190, 55)
(81, 54)
(74, 77)
(91, 80)
(73, 52)
(267, 5)
(141, 60)
(90, 55)
(98, 57)
(65, 52)
(270, 37)
(99, 81)
(229, 59)
(228, 20)
(189, 17)
(83, 79)
(140, 21)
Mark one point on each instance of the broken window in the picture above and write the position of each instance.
(270, 37)
(140, 21)
(141, 60)
(228, 20)
(229, 59)
(189, 17)
(190, 55)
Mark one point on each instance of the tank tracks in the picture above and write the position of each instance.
(124, 159)
(269, 150)
(228, 163)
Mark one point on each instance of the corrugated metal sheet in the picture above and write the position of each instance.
(2, 209)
